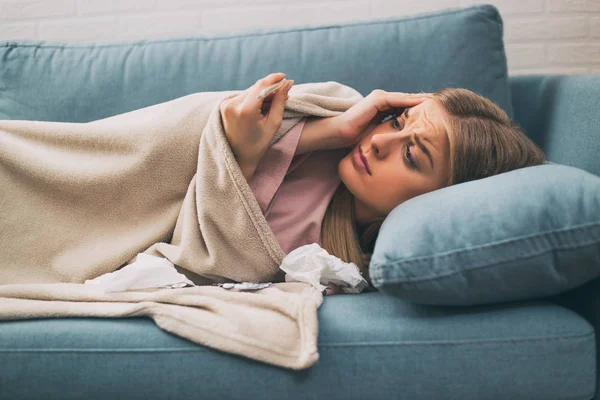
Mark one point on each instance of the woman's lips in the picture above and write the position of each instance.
(361, 160)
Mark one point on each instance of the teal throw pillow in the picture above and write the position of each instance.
(523, 234)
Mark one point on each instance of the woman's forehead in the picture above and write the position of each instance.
(431, 117)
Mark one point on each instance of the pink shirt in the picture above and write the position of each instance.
(294, 191)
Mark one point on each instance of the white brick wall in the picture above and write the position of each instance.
(541, 36)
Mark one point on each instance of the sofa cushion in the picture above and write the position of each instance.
(84, 82)
(560, 113)
(527, 233)
(371, 346)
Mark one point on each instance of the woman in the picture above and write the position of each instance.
(424, 143)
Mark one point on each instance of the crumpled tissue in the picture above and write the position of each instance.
(313, 264)
(147, 272)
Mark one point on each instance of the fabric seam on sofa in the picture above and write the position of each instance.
(395, 265)
(589, 335)
(438, 276)
(506, 241)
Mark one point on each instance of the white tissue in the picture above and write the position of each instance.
(313, 264)
(145, 273)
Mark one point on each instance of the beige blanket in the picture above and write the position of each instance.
(78, 200)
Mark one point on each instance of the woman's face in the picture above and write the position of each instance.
(398, 168)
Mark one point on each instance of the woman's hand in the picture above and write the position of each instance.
(251, 123)
(361, 118)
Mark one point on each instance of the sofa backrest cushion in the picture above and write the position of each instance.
(426, 52)
(560, 113)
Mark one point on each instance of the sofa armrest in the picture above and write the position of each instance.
(560, 113)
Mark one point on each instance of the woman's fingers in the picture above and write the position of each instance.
(362, 117)
(251, 101)
(388, 103)
(274, 112)
(379, 103)
(389, 100)
(251, 109)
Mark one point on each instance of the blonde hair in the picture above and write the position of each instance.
(483, 140)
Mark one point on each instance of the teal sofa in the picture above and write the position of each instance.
(372, 345)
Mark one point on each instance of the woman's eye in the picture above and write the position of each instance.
(409, 158)
(396, 124)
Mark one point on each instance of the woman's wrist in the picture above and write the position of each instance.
(248, 168)
(345, 139)
(248, 172)
(322, 134)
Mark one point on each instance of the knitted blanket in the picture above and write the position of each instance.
(78, 200)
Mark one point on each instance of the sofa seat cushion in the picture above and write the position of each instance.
(371, 346)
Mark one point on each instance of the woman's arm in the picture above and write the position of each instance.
(321, 134)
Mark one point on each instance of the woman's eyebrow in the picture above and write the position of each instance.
(424, 149)
(418, 141)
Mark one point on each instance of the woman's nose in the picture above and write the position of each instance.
(383, 143)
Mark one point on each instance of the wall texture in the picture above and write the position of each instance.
(541, 36)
